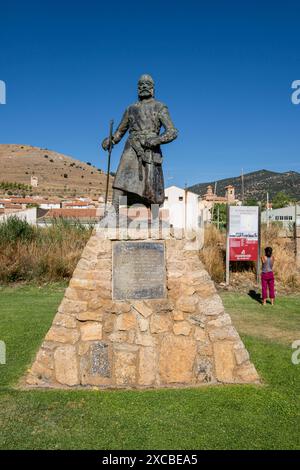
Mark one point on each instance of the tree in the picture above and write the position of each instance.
(220, 215)
(251, 201)
(281, 199)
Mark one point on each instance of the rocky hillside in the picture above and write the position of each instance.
(257, 184)
(57, 174)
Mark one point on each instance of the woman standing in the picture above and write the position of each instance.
(267, 276)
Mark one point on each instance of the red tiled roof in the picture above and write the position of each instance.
(72, 213)
(23, 200)
(31, 200)
(8, 205)
(77, 203)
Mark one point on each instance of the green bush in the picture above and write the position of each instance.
(14, 229)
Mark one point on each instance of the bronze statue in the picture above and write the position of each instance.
(139, 176)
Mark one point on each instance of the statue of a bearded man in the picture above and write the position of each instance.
(139, 176)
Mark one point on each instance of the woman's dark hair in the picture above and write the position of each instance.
(268, 252)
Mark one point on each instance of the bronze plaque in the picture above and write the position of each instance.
(139, 270)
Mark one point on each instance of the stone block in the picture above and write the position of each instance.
(90, 315)
(86, 264)
(143, 324)
(78, 294)
(204, 369)
(182, 328)
(118, 337)
(178, 315)
(160, 323)
(85, 284)
(68, 321)
(60, 334)
(241, 355)
(142, 308)
(211, 306)
(177, 355)
(65, 363)
(220, 321)
(91, 331)
(199, 333)
(41, 371)
(224, 361)
(121, 307)
(226, 332)
(147, 366)
(88, 275)
(144, 339)
(160, 306)
(126, 321)
(187, 303)
(125, 367)
(45, 357)
(95, 302)
(108, 322)
(247, 373)
(71, 307)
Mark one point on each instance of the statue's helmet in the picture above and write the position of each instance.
(145, 86)
(146, 78)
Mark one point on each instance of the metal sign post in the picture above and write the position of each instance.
(259, 246)
(243, 236)
(227, 246)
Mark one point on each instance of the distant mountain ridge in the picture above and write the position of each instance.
(256, 185)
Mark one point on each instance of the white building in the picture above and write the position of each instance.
(285, 215)
(34, 181)
(186, 209)
(49, 205)
(78, 204)
(27, 214)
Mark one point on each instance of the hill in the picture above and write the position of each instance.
(257, 184)
(57, 174)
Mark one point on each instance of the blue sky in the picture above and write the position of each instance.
(224, 68)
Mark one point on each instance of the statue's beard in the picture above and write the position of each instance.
(144, 94)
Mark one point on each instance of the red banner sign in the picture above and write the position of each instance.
(243, 249)
(243, 233)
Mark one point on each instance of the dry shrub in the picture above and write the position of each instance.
(213, 253)
(44, 254)
(287, 275)
(285, 269)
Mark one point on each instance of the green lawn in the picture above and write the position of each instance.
(233, 417)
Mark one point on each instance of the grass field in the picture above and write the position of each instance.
(230, 417)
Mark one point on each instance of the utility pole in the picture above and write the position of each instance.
(243, 186)
(213, 206)
(295, 233)
(268, 221)
(185, 205)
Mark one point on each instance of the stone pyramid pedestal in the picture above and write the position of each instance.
(140, 313)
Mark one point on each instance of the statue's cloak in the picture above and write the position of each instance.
(143, 176)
